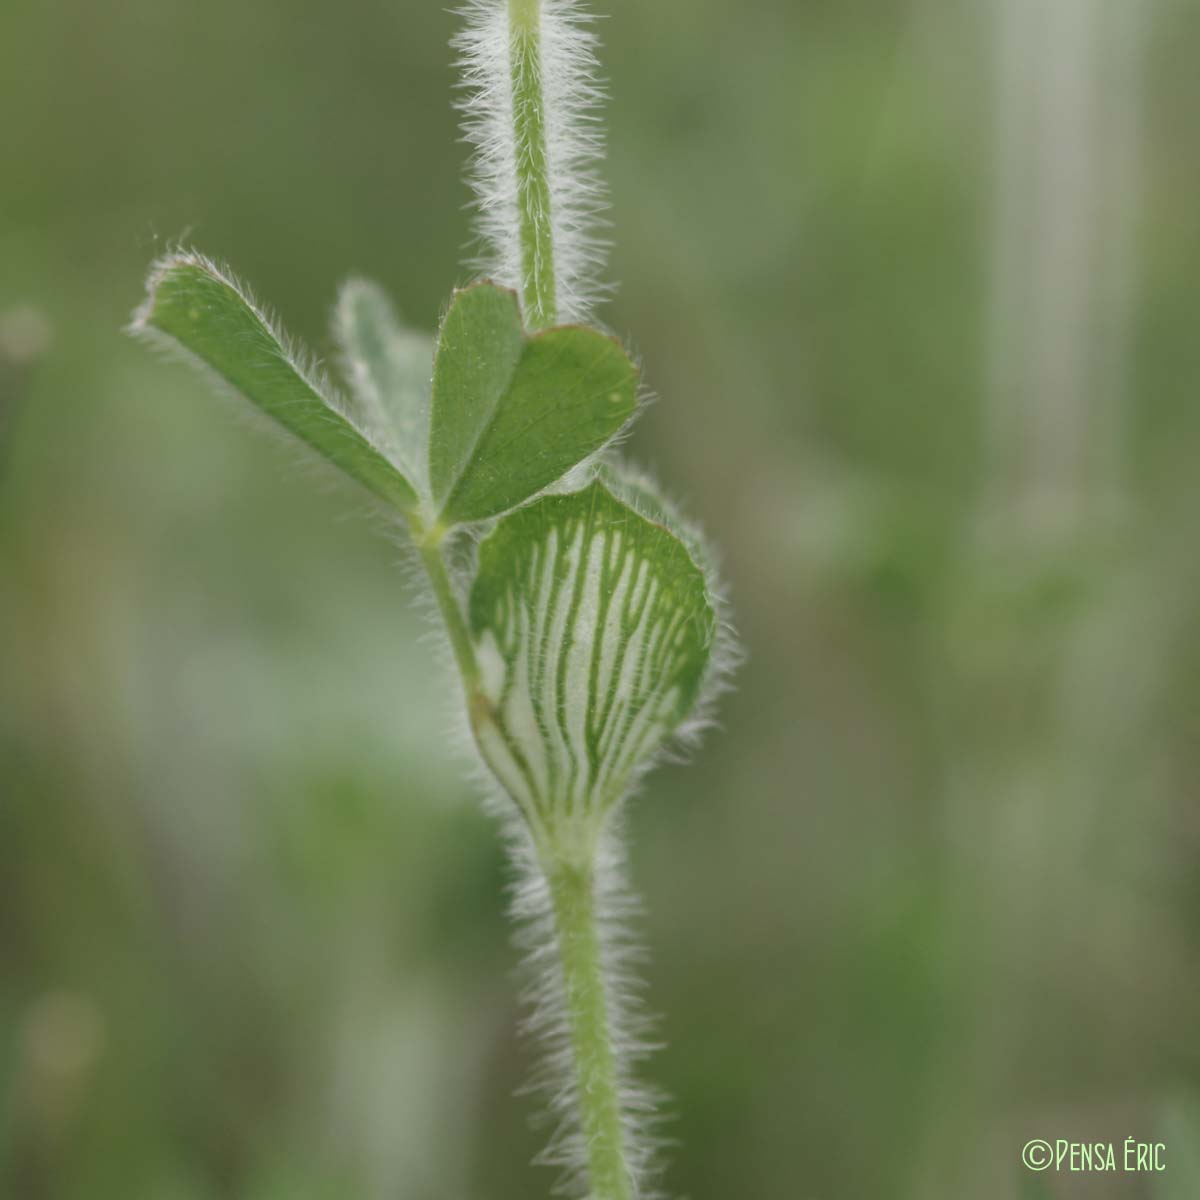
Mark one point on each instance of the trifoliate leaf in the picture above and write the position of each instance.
(194, 306)
(593, 629)
(390, 369)
(512, 413)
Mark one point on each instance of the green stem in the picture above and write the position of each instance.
(573, 898)
(533, 173)
(429, 544)
(573, 895)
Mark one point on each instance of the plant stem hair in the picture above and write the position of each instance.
(529, 108)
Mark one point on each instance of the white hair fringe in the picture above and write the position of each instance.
(572, 93)
(632, 1027)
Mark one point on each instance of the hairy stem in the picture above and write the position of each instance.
(572, 886)
(533, 171)
(429, 544)
(597, 1087)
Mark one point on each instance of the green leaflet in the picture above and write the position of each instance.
(192, 305)
(390, 369)
(593, 629)
(512, 413)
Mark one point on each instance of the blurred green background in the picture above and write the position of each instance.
(917, 284)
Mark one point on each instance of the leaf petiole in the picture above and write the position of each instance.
(430, 542)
